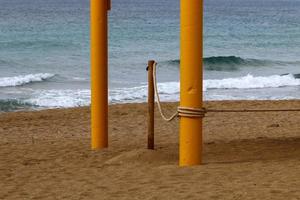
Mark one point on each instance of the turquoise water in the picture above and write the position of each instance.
(251, 51)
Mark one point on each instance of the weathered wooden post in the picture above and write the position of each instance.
(150, 105)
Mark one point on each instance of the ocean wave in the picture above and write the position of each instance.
(232, 63)
(139, 94)
(24, 79)
(82, 97)
(13, 105)
(252, 82)
(42, 44)
(169, 91)
(3, 62)
(60, 98)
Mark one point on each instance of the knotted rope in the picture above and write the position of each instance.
(200, 112)
(181, 111)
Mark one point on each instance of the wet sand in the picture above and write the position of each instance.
(46, 155)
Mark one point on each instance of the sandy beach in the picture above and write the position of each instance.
(46, 155)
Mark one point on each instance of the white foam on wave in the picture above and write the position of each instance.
(251, 82)
(24, 79)
(82, 97)
(60, 98)
(169, 91)
(138, 94)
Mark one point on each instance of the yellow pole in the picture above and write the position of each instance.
(191, 53)
(99, 73)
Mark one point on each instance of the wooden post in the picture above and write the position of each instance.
(108, 4)
(191, 53)
(150, 105)
(99, 73)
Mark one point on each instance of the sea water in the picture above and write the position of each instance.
(251, 50)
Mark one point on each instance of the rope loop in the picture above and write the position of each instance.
(191, 112)
(200, 112)
(168, 119)
(181, 111)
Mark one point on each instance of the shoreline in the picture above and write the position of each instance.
(46, 154)
(38, 109)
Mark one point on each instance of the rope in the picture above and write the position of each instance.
(200, 112)
(191, 112)
(181, 111)
(168, 119)
(252, 110)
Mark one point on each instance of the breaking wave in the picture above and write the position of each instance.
(232, 63)
(13, 105)
(24, 79)
(169, 91)
(252, 82)
(60, 98)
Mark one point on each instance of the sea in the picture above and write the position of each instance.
(251, 51)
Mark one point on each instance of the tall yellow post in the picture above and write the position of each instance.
(191, 77)
(99, 73)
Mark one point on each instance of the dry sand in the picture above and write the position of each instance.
(46, 155)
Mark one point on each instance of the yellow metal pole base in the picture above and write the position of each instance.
(190, 151)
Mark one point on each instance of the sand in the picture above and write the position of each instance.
(46, 155)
